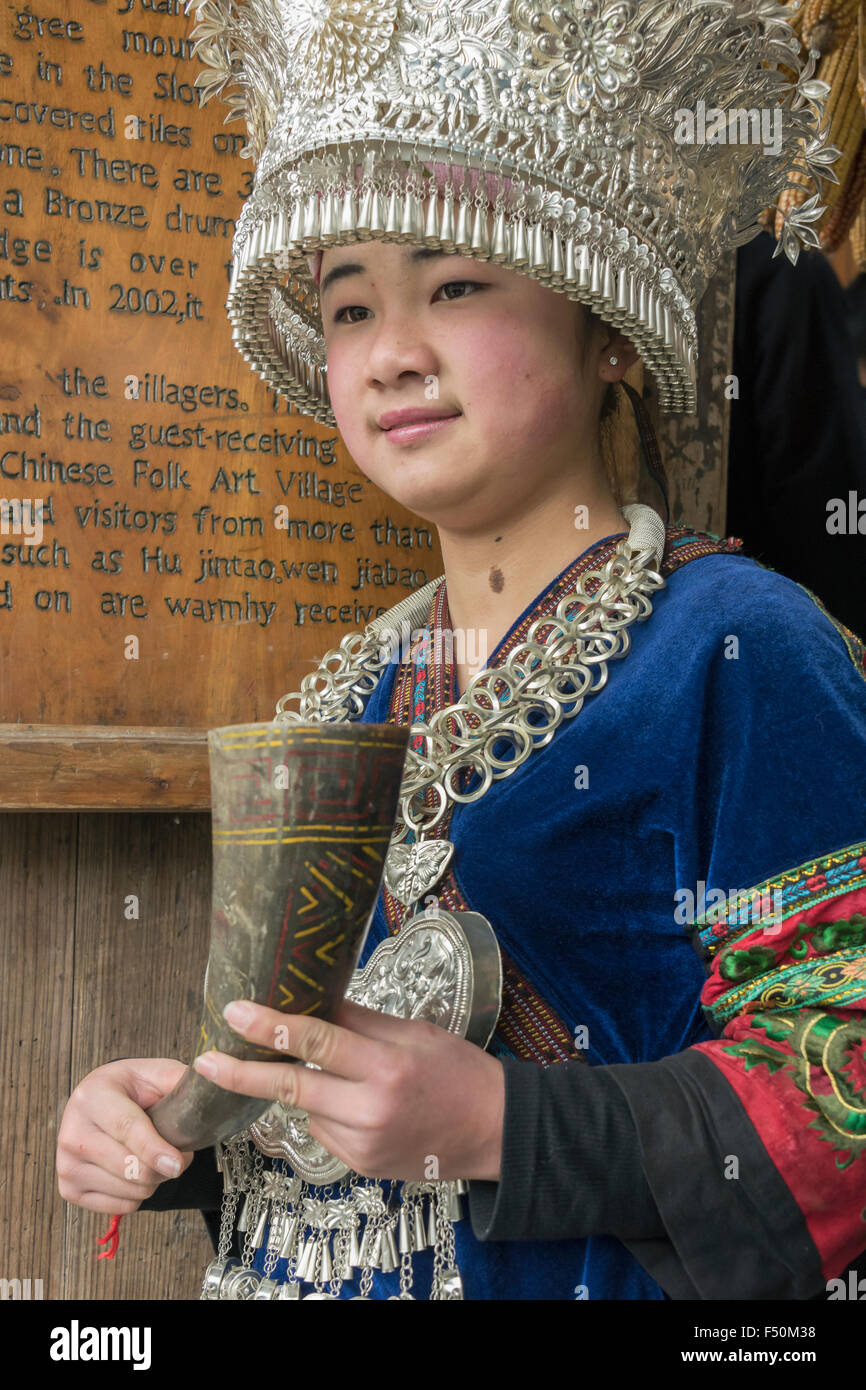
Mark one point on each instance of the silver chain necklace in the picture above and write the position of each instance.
(541, 683)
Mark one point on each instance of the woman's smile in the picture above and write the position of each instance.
(419, 429)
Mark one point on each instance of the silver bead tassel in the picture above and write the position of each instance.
(392, 221)
(538, 260)
(480, 243)
(377, 217)
(519, 249)
(261, 1222)
(407, 226)
(499, 243)
(365, 213)
(446, 225)
(462, 234)
(328, 231)
(404, 1235)
(312, 223)
(348, 218)
(326, 1269)
(389, 1258)
(375, 1259)
(289, 1236)
(431, 226)
(420, 1235)
(303, 1266)
(557, 264)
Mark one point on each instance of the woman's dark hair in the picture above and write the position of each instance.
(609, 402)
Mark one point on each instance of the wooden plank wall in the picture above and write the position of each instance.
(83, 985)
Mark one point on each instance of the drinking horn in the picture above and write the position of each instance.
(302, 816)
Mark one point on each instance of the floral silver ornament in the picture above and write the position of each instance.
(586, 52)
(337, 42)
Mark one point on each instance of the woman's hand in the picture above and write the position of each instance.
(108, 1152)
(395, 1098)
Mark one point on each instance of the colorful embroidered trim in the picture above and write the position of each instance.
(789, 996)
(781, 961)
(798, 890)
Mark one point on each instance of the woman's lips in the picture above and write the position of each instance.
(419, 429)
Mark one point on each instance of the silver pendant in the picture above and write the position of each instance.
(238, 1282)
(443, 967)
(412, 870)
(452, 1284)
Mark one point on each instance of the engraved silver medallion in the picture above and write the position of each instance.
(443, 967)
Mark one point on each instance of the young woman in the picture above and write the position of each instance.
(723, 752)
(674, 1101)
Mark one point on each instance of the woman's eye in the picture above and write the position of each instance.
(473, 284)
(339, 317)
(349, 309)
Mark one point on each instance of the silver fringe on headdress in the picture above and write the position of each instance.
(578, 111)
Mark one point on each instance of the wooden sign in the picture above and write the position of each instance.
(178, 547)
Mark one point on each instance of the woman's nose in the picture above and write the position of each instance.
(399, 346)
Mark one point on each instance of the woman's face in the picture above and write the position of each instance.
(410, 328)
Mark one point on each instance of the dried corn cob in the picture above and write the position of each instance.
(837, 28)
(858, 238)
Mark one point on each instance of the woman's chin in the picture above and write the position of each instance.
(424, 490)
(440, 506)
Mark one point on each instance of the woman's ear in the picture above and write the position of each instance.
(616, 356)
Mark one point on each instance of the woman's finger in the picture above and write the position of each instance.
(90, 1177)
(338, 1051)
(287, 1082)
(104, 1098)
(112, 1158)
(111, 1206)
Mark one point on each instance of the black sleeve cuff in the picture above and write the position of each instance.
(571, 1164)
(201, 1186)
(734, 1230)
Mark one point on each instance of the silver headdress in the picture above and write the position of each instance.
(622, 147)
(569, 121)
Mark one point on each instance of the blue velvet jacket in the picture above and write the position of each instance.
(714, 1146)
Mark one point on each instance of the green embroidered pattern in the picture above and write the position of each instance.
(818, 982)
(792, 999)
(825, 1055)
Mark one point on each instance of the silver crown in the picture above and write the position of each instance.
(570, 123)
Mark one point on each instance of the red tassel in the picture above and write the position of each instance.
(112, 1235)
